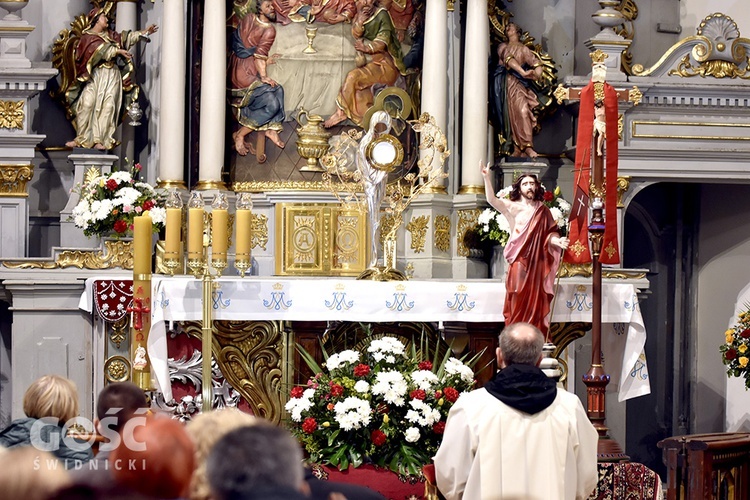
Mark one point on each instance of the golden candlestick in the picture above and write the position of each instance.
(219, 238)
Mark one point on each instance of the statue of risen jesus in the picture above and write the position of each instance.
(533, 250)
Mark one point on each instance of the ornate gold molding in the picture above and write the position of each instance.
(13, 179)
(160, 184)
(387, 221)
(252, 356)
(119, 331)
(629, 11)
(417, 226)
(443, 233)
(568, 270)
(116, 253)
(623, 184)
(117, 369)
(716, 50)
(467, 220)
(262, 186)
(259, 231)
(12, 114)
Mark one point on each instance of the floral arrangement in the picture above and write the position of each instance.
(382, 407)
(734, 353)
(493, 226)
(109, 203)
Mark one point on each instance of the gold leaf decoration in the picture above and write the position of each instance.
(417, 226)
(11, 114)
(443, 233)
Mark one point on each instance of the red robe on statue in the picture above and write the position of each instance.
(529, 286)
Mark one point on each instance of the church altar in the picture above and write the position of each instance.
(342, 299)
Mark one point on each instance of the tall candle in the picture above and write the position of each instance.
(243, 232)
(142, 237)
(174, 223)
(219, 238)
(195, 233)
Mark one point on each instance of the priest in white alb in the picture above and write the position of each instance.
(520, 436)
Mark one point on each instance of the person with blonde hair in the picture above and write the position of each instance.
(29, 474)
(205, 430)
(49, 403)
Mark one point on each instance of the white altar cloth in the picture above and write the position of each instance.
(322, 299)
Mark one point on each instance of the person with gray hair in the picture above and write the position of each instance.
(520, 436)
(259, 462)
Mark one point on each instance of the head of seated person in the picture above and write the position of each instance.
(260, 461)
(27, 473)
(205, 430)
(158, 460)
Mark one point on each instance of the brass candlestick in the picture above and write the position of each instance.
(243, 241)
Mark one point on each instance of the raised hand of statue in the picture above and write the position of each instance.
(560, 242)
(152, 29)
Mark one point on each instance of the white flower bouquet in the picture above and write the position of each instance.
(381, 406)
(109, 203)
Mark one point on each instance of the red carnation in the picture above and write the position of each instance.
(378, 437)
(438, 427)
(745, 334)
(548, 196)
(309, 425)
(417, 394)
(137, 167)
(120, 226)
(451, 394)
(148, 205)
(296, 392)
(336, 390)
(111, 184)
(361, 370)
(730, 354)
(425, 365)
(438, 394)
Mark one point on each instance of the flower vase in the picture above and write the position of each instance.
(498, 264)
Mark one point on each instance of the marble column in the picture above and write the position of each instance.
(213, 97)
(127, 19)
(172, 101)
(476, 55)
(435, 68)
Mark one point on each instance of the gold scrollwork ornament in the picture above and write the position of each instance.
(418, 229)
(11, 114)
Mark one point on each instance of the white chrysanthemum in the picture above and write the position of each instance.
(412, 435)
(362, 387)
(352, 413)
(296, 406)
(455, 367)
(564, 206)
(558, 216)
(502, 222)
(126, 196)
(380, 348)
(485, 216)
(424, 379)
(101, 209)
(336, 360)
(422, 414)
(391, 385)
(121, 176)
(158, 215)
(145, 188)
